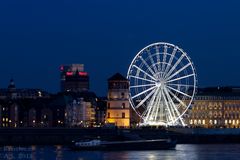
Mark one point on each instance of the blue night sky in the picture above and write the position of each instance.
(37, 36)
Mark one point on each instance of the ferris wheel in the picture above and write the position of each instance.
(162, 84)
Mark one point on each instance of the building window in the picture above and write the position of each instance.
(191, 121)
(123, 105)
(108, 105)
(215, 121)
(122, 94)
(195, 121)
(226, 121)
(123, 115)
(199, 121)
(108, 115)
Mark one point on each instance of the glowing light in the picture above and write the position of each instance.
(62, 68)
(69, 73)
(82, 73)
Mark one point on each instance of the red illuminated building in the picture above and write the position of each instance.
(74, 78)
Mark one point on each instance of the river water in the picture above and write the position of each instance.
(182, 152)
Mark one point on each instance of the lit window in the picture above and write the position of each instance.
(233, 121)
(195, 121)
(215, 121)
(210, 121)
(226, 121)
(191, 121)
(3, 119)
(199, 121)
(203, 121)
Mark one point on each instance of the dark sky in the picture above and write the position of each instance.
(37, 36)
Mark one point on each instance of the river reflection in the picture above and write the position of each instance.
(182, 152)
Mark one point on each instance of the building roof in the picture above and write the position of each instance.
(219, 91)
(117, 77)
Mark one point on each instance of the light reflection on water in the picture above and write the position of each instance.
(182, 152)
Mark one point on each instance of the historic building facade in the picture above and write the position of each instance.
(118, 109)
(215, 108)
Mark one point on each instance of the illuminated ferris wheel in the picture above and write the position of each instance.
(162, 84)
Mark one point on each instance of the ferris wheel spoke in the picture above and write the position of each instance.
(170, 61)
(173, 105)
(174, 66)
(181, 102)
(146, 98)
(158, 58)
(144, 79)
(157, 104)
(143, 85)
(149, 68)
(178, 85)
(170, 105)
(152, 61)
(150, 106)
(179, 78)
(178, 71)
(168, 108)
(179, 92)
(139, 94)
(145, 72)
(164, 58)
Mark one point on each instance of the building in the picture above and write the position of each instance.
(81, 110)
(216, 107)
(74, 78)
(20, 93)
(101, 111)
(118, 111)
(41, 112)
